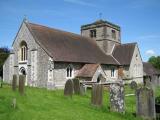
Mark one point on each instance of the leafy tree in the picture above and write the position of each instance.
(4, 52)
(155, 61)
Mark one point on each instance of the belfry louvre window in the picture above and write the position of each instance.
(93, 33)
(113, 34)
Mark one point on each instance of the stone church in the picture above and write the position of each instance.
(48, 56)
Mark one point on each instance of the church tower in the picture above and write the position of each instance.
(106, 34)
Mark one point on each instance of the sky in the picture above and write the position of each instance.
(139, 19)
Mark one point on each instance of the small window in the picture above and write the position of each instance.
(136, 56)
(69, 72)
(113, 34)
(112, 72)
(93, 33)
(23, 51)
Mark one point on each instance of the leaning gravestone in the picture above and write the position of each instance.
(145, 103)
(76, 85)
(117, 97)
(68, 90)
(97, 95)
(14, 82)
(21, 84)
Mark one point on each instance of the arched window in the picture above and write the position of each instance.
(113, 72)
(69, 71)
(23, 51)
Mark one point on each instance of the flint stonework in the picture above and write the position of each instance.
(117, 97)
(145, 103)
(68, 90)
(82, 89)
(97, 95)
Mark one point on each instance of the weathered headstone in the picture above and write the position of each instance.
(21, 84)
(117, 97)
(145, 103)
(14, 82)
(97, 95)
(133, 85)
(76, 85)
(68, 90)
(1, 82)
(82, 89)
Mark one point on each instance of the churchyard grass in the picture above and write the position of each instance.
(41, 104)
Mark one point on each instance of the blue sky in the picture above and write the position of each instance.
(139, 19)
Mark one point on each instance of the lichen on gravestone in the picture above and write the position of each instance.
(68, 90)
(117, 97)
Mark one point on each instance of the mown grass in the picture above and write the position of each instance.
(41, 104)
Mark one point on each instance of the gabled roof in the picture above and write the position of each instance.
(68, 47)
(88, 70)
(149, 69)
(123, 53)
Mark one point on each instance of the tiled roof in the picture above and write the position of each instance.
(123, 53)
(87, 70)
(68, 47)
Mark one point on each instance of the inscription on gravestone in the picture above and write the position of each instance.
(145, 103)
(68, 90)
(117, 97)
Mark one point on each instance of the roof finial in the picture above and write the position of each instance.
(25, 18)
(100, 16)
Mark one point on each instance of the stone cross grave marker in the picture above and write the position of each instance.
(97, 95)
(145, 102)
(133, 85)
(68, 90)
(117, 97)
(76, 85)
(14, 82)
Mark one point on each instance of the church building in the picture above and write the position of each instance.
(48, 56)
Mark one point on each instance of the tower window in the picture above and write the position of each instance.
(113, 34)
(93, 33)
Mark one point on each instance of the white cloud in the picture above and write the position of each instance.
(150, 52)
(80, 2)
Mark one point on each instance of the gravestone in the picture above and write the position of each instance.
(145, 103)
(68, 90)
(117, 97)
(97, 95)
(14, 82)
(82, 89)
(76, 85)
(1, 82)
(21, 84)
(133, 85)
(14, 103)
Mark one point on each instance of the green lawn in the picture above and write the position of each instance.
(41, 104)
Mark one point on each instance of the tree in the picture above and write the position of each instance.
(4, 53)
(155, 61)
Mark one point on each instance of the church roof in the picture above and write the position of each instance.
(123, 53)
(68, 47)
(88, 70)
(149, 69)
